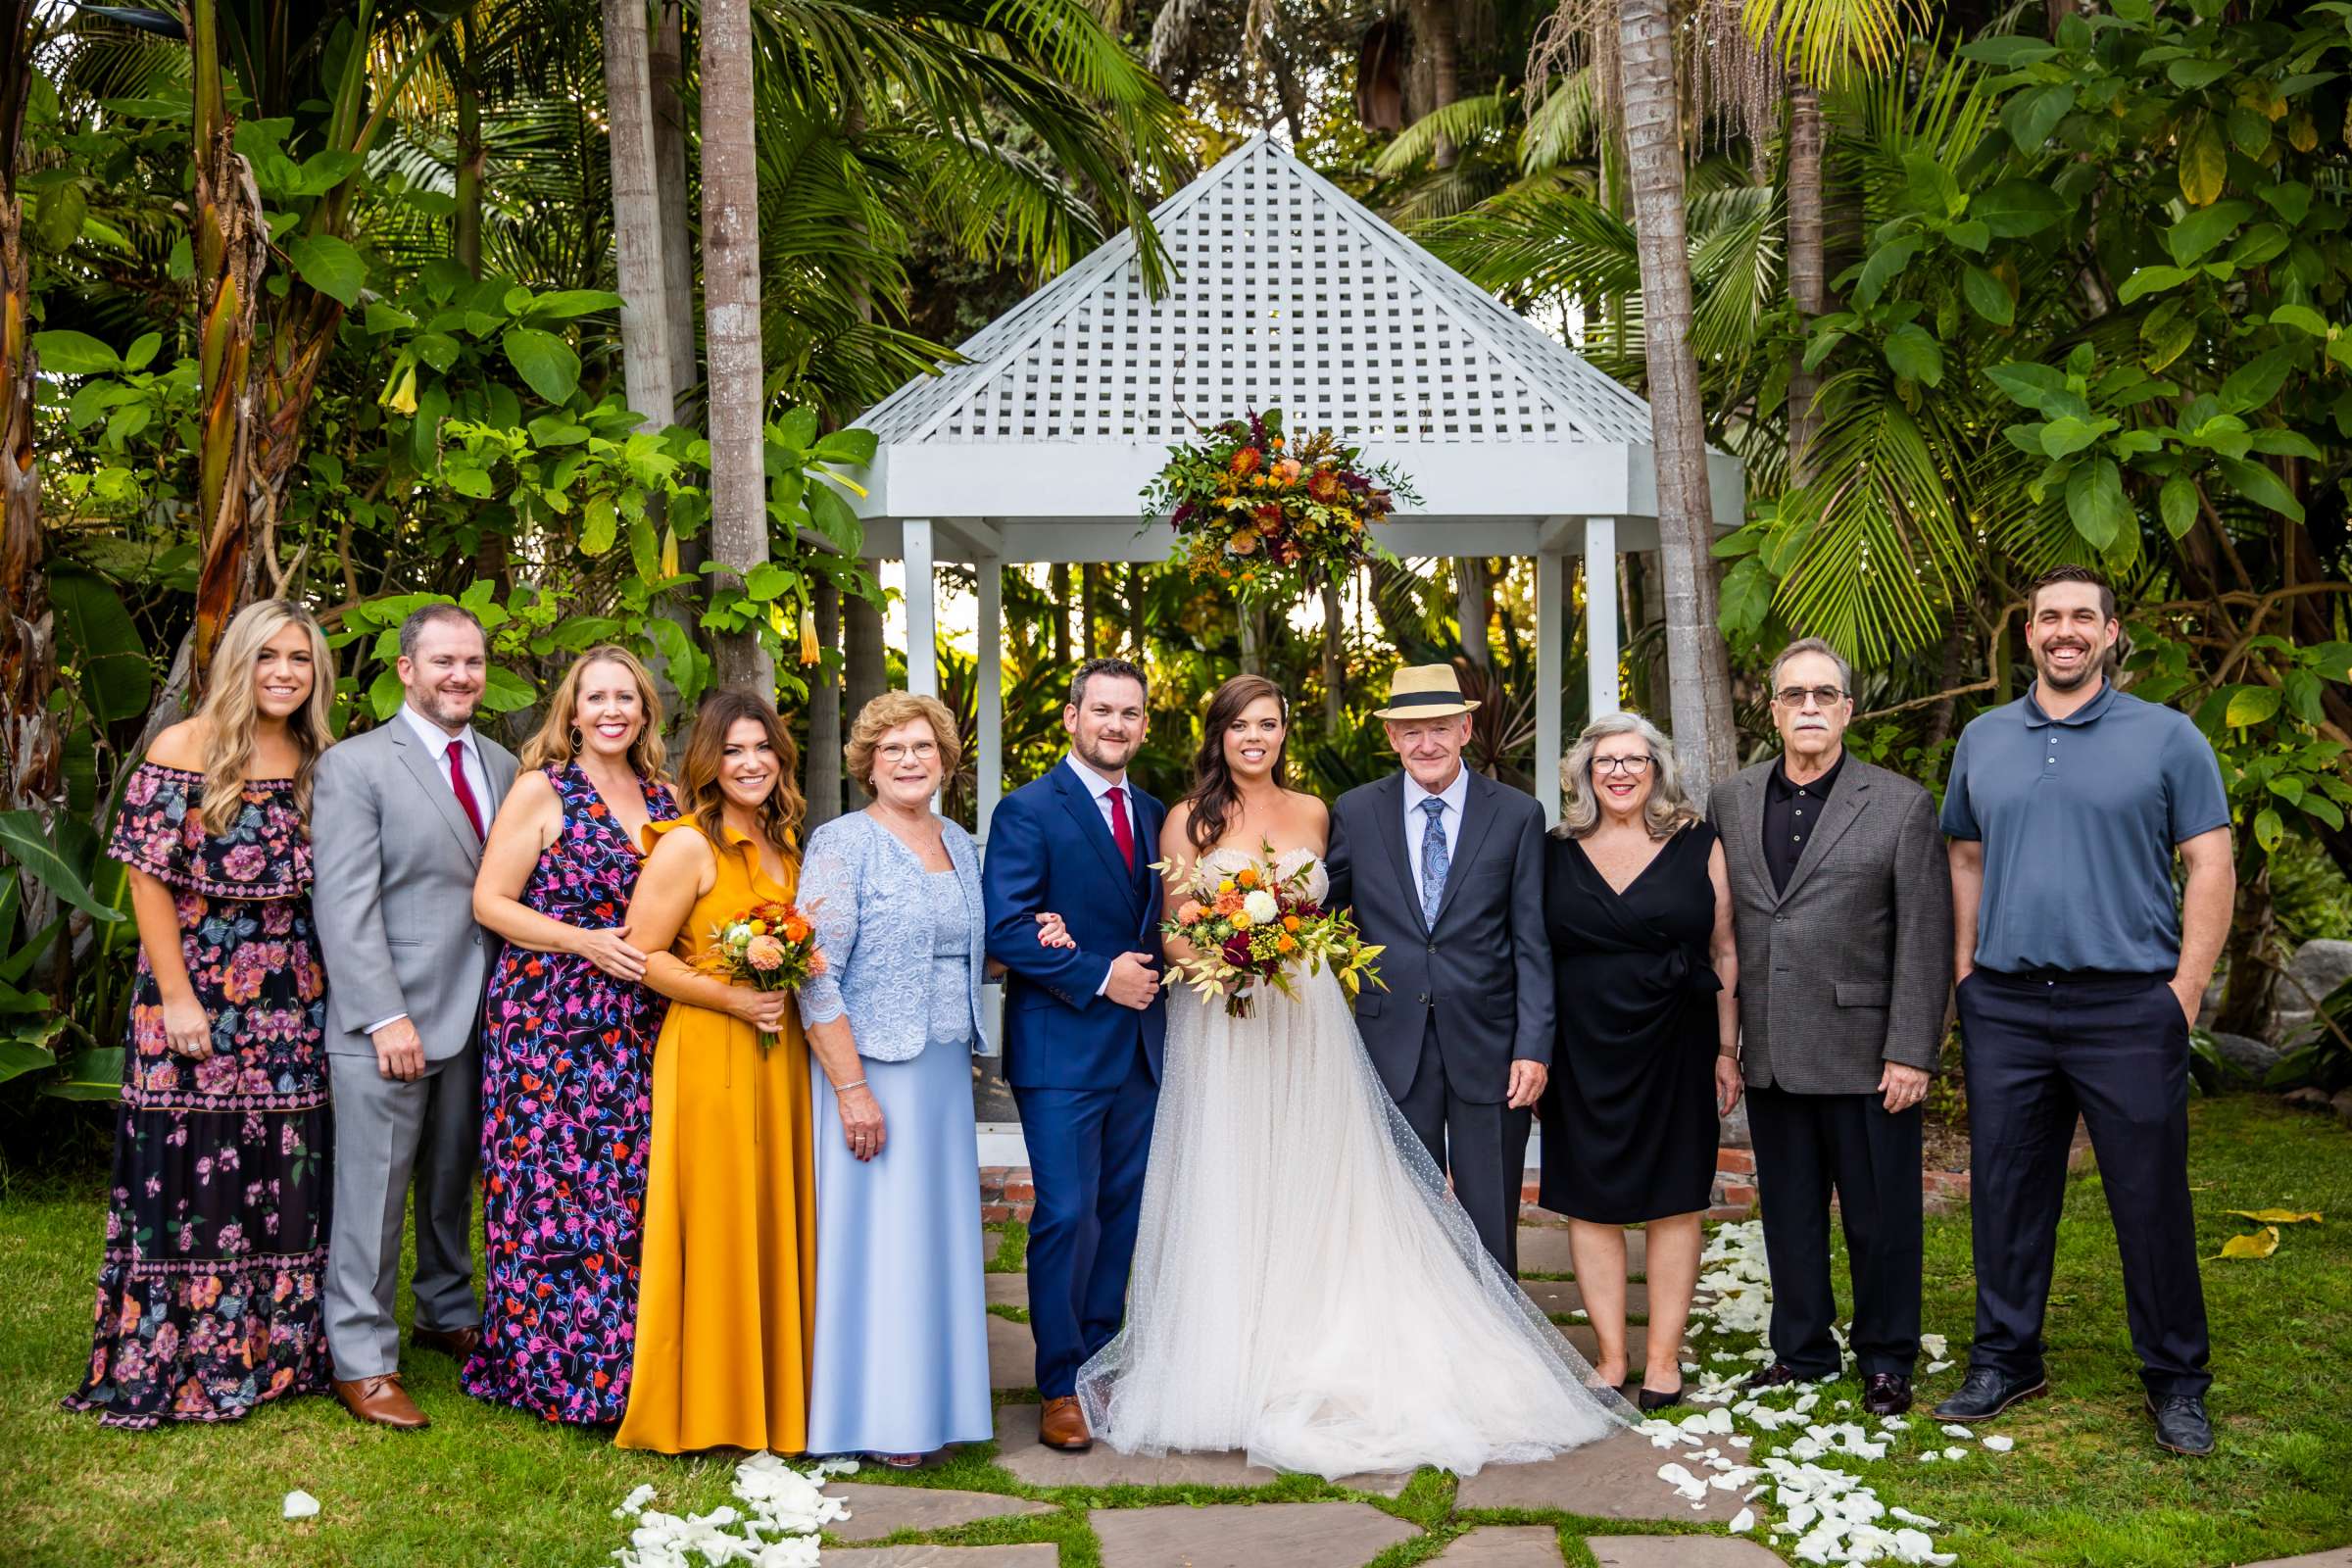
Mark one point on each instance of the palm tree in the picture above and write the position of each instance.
(29, 749)
(731, 323)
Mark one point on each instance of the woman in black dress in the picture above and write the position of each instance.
(1643, 967)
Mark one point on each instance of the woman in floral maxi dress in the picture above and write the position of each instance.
(216, 1234)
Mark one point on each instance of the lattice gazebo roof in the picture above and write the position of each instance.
(1287, 293)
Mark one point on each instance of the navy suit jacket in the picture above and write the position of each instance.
(1049, 849)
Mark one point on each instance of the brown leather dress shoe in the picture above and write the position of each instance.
(381, 1402)
(459, 1343)
(1062, 1425)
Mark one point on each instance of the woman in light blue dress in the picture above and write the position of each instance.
(901, 1347)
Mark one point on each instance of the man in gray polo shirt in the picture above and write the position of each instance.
(2079, 977)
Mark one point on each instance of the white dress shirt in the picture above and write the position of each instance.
(1100, 788)
(435, 741)
(1456, 797)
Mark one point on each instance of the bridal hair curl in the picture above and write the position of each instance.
(700, 796)
(225, 719)
(1666, 812)
(1215, 794)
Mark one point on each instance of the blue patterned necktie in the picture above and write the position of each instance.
(1434, 863)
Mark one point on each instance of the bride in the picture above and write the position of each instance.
(1305, 1286)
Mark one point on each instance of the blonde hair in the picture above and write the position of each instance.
(1666, 812)
(225, 717)
(887, 713)
(553, 742)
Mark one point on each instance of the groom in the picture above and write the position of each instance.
(1444, 869)
(1083, 1025)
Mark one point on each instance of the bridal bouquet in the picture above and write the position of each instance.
(1268, 516)
(767, 947)
(1255, 928)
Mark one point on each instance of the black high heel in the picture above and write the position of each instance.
(1647, 1400)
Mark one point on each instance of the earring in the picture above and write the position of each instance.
(579, 742)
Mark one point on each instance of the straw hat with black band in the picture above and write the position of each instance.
(1424, 691)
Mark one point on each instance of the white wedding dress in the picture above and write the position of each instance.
(1305, 1288)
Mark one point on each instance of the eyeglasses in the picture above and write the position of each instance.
(1823, 696)
(1621, 764)
(920, 750)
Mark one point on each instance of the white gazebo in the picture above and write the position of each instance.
(1287, 293)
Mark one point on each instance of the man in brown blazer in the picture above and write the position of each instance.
(1842, 900)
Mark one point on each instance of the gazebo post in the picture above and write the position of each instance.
(989, 764)
(1551, 613)
(1602, 694)
(922, 612)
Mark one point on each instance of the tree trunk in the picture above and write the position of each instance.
(639, 222)
(32, 748)
(665, 65)
(232, 259)
(471, 154)
(825, 711)
(1808, 277)
(1474, 608)
(731, 326)
(863, 665)
(1434, 41)
(1335, 659)
(1057, 588)
(1256, 629)
(1090, 607)
(1137, 626)
(2248, 954)
(1705, 737)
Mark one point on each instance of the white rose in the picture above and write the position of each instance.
(1262, 908)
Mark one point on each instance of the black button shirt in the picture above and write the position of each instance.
(1792, 811)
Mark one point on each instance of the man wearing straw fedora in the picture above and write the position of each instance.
(1444, 869)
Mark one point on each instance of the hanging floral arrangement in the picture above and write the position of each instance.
(1268, 517)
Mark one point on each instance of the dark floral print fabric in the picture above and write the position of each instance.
(566, 1100)
(216, 1234)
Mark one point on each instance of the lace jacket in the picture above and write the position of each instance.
(863, 890)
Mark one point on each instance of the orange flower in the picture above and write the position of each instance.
(796, 930)
(1244, 461)
(1286, 470)
(1285, 943)
(1228, 904)
(1246, 876)
(1243, 543)
(1290, 922)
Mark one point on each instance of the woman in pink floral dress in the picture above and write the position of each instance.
(215, 1237)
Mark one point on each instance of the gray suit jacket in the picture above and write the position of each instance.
(395, 862)
(1849, 967)
(1485, 972)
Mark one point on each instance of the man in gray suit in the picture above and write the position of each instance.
(1842, 898)
(398, 817)
(1444, 869)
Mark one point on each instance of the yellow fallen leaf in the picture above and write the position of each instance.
(2258, 1246)
(2274, 1216)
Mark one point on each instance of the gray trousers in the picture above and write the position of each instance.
(1482, 1146)
(392, 1137)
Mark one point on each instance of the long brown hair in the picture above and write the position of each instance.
(557, 740)
(1215, 794)
(781, 813)
(227, 714)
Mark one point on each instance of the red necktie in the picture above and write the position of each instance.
(457, 781)
(1120, 830)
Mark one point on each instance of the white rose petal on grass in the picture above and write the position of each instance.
(1939, 1367)
(1952, 1429)
(1742, 1522)
(2000, 1444)
(300, 1504)
(1955, 1453)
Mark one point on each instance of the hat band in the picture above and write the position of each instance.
(1427, 699)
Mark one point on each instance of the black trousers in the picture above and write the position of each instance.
(2114, 1048)
(1808, 1146)
(1483, 1146)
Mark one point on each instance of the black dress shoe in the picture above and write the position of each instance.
(1647, 1400)
(2181, 1424)
(1887, 1393)
(1779, 1375)
(1986, 1393)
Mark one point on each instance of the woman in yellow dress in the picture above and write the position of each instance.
(724, 1363)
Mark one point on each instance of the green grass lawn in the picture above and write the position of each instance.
(2085, 1485)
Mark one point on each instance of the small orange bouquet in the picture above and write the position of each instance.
(1255, 928)
(767, 947)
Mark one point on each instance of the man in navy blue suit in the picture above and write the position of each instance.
(1083, 1025)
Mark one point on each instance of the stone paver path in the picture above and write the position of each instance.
(2340, 1557)
(1012, 1354)
(1564, 1296)
(1009, 1290)
(1040, 1554)
(1294, 1534)
(878, 1511)
(1678, 1552)
(1503, 1547)
(1019, 1451)
(1616, 1478)
(1544, 1250)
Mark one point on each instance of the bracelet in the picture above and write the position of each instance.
(842, 1088)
